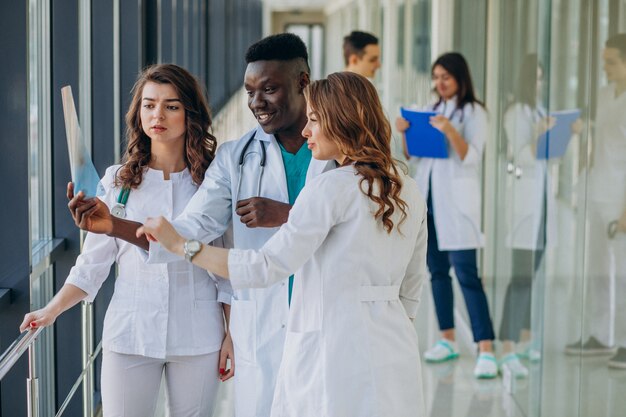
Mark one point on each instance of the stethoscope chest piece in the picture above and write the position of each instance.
(119, 209)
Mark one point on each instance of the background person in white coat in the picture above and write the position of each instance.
(453, 190)
(356, 239)
(361, 54)
(606, 216)
(533, 222)
(255, 198)
(162, 319)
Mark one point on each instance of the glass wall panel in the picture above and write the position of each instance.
(561, 170)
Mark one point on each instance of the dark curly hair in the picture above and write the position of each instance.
(350, 114)
(200, 144)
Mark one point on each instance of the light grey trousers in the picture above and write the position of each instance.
(130, 384)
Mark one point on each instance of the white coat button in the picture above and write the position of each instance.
(283, 326)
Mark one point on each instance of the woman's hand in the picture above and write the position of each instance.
(402, 124)
(442, 124)
(578, 126)
(543, 125)
(227, 352)
(158, 229)
(38, 318)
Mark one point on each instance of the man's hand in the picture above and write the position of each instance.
(91, 215)
(262, 212)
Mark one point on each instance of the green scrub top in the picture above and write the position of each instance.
(296, 167)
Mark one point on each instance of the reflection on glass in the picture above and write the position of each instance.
(33, 133)
(532, 214)
(606, 219)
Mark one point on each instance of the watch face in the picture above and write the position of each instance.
(193, 246)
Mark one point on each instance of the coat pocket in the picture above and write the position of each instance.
(299, 390)
(466, 195)
(243, 330)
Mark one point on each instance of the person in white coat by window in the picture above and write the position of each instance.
(356, 239)
(452, 187)
(163, 320)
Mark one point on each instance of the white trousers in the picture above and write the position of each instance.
(130, 384)
(606, 277)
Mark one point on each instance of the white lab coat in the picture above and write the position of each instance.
(258, 316)
(156, 310)
(456, 194)
(606, 201)
(527, 193)
(351, 350)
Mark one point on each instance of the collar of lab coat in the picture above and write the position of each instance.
(156, 175)
(261, 135)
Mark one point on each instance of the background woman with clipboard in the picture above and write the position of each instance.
(453, 189)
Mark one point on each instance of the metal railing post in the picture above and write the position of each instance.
(32, 385)
(87, 350)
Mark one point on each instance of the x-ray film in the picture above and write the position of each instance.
(84, 174)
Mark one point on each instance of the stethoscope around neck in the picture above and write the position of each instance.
(242, 161)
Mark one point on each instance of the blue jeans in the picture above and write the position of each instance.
(464, 264)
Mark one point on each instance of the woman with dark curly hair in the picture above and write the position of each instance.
(163, 320)
(356, 240)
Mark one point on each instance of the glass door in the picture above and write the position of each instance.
(558, 252)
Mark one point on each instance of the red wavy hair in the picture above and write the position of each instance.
(350, 114)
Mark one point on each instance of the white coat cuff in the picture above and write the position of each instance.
(472, 156)
(85, 284)
(410, 306)
(157, 255)
(240, 269)
(224, 297)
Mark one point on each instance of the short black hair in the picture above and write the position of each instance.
(280, 47)
(618, 41)
(355, 43)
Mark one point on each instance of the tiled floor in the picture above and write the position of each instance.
(450, 389)
(560, 385)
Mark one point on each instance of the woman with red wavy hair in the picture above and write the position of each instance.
(356, 240)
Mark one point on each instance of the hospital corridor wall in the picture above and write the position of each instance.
(553, 253)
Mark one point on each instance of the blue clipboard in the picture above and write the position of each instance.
(553, 143)
(422, 139)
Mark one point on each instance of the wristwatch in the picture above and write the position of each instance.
(191, 248)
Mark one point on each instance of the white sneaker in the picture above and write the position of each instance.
(486, 366)
(525, 351)
(513, 364)
(444, 350)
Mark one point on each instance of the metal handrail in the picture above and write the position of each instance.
(79, 380)
(17, 349)
(25, 341)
